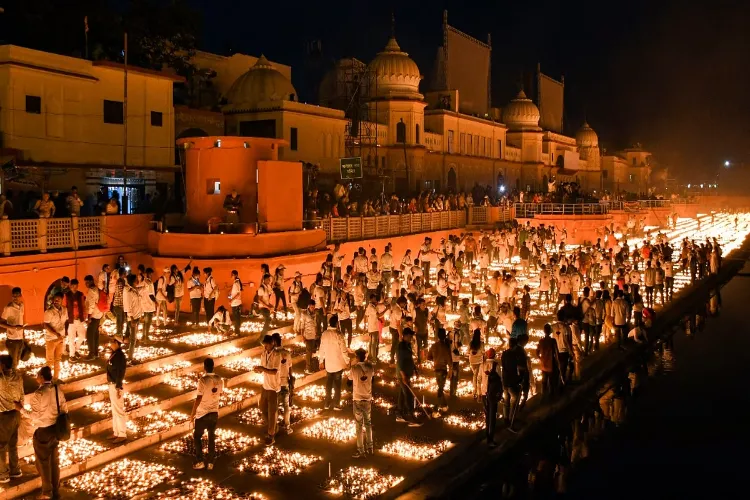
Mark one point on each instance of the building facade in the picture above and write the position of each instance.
(63, 123)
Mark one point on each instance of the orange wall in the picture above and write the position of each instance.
(34, 273)
(233, 164)
(280, 195)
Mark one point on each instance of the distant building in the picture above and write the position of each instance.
(62, 124)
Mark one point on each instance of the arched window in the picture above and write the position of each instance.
(416, 131)
(401, 132)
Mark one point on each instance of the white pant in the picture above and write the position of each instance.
(76, 335)
(119, 417)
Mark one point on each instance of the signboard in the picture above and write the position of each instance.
(351, 168)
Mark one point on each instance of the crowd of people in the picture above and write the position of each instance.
(606, 290)
(48, 204)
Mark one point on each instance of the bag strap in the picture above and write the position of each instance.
(57, 398)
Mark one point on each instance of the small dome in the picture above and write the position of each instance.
(586, 137)
(259, 84)
(521, 113)
(395, 73)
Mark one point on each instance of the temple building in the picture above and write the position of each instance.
(416, 140)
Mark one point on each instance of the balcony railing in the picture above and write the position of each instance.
(529, 210)
(383, 226)
(41, 235)
(655, 203)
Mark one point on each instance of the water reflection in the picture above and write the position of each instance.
(544, 470)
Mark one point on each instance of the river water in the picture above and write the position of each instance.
(682, 432)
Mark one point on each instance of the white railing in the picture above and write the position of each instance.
(383, 226)
(529, 210)
(40, 235)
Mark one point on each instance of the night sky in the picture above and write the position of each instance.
(670, 74)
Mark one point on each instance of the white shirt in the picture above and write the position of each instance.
(271, 360)
(284, 366)
(371, 317)
(563, 285)
(386, 262)
(161, 289)
(209, 289)
(210, 387)
(221, 317)
(395, 317)
(194, 288)
(145, 291)
(235, 296)
(56, 318)
(131, 303)
(92, 303)
(620, 311)
(264, 296)
(333, 351)
(362, 389)
(13, 315)
(44, 405)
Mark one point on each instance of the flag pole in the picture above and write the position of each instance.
(86, 34)
(125, 130)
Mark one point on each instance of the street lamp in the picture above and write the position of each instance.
(726, 163)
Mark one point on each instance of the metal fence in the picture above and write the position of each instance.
(529, 210)
(655, 203)
(40, 235)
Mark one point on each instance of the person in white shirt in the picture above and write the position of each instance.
(221, 321)
(395, 326)
(205, 414)
(620, 316)
(102, 281)
(161, 295)
(131, 303)
(147, 298)
(270, 362)
(374, 279)
(307, 327)
(95, 315)
(334, 357)
(372, 323)
(46, 404)
(338, 260)
(361, 376)
(210, 292)
(13, 321)
(54, 325)
(287, 382)
(386, 266)
(426, 255)
(178, 281)
(235, 301)
(342, 308)
(195, 290)
(265, 292)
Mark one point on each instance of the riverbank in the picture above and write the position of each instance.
(443, 479)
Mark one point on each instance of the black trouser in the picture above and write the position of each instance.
(587, 331)
(309, 350)
(360, 316)
(490, 415)
(394, 343)
(441, 375)
(9, 422)
(195, 307)
(266, 320)
(280, 296)
(405, 403)
(206, 423)
(346, 329)
(320, 322)
(336, 274)
(14, 350)
(333, 382)
(473, 291)
(550, 382)
(669, 283)
(147, 317)
(564, 362)
(119, 318)
(236, 318)
(208, 305)
(47, 460)
(426, 272)
(621, 334)
(454, 379)
(421, 345)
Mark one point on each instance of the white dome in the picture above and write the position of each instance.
(521, 113)
(586, 137)
(394, 73)
(261, 83)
